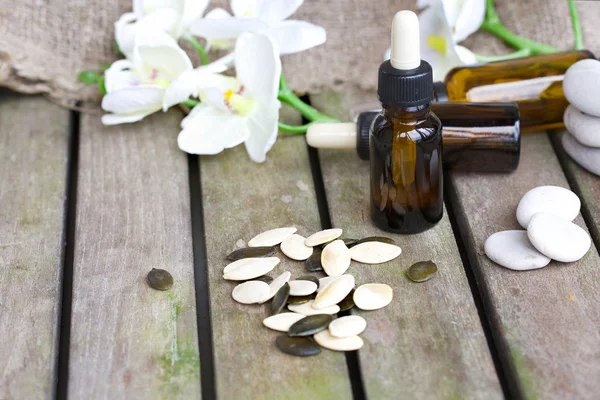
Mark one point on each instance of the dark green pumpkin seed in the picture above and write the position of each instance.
(264, 278)
(313, 264)
(251, 252)
(348, 302)
(300, 299)
(160, 279)
(280, 299)
(421, 271)
(375, 239)
(298, 346)
(310, 325)
(311, 278)
(350, 242)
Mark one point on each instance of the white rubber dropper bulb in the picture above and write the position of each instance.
(406, 50)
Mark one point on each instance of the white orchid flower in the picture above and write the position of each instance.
(263, 16)
(171, 16)
(443, 24)
(238, 110)
(159, 75)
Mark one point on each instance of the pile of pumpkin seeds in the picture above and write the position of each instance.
(308, 322)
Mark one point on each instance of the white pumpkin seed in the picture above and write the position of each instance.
(250, 292)
(374, 252)
(276, 285)
(350, 325)
(325, 281)
(373, 296)
(294, 248)
(334, 292)
(282, 322)
(272, 237)
(323, 237)
(335, 258)
(302, 288)
(307, 309)
(327, 340)
(249, 268)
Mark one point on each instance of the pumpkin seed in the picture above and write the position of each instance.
(325, 281)
(348, 302)
(265, 278)
(250, 292)
(323, 237)
(313, 263)
(373, 296)
(335, 258)
(350, 325)
(294, 248)
(159, 279)
(381, 239)
(272, 237)
(327, 340)
(310, 325)
(350, 242)
(249, 268)
(298, 346)
(276, 285)
(311, 278)
(422, 271)
(251, 252)
(280, 299)
(299, 299)
(282, 322)
(334, 292)
(307, 309)
(302, 288)
(374, 252)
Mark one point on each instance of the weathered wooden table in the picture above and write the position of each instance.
(86, 211)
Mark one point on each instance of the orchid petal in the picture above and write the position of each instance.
(125, 31)
(134, 100)
(166, 20)
(119, 76)
(217, 13)
(211, 130)
(226, 28)
(257, 65)
(158, 52)
(116, 119)
(466, 56)
(145, 7)
(467, 19)
(296, 36)
(421, 4)
(246, 8)
(193, 9)
(263, 125)
(277, 10)
(138, 8)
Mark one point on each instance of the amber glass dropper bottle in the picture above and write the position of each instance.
(406, 138)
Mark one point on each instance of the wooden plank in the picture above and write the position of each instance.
(242, 199)
(133, 214)
(33, 161)
(584, 183)
(545, 321)
(428, 343)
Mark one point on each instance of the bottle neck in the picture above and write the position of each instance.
(408, 115)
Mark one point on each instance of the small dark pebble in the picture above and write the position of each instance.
(298, 346)
(160, 279)
(251, 252)
(264, 278)
(280, 299)
(421, 271)
(311, 278)
(300, 299)
(376, 239)
(310, 325)
(348, 302)
(313, 263)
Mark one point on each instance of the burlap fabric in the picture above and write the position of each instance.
(44, 44)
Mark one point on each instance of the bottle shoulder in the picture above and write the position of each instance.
(386, 128)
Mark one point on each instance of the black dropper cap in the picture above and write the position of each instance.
(405, 88)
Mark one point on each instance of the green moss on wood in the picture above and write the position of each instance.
(527, 381)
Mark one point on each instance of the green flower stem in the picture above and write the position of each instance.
(517, 54)
(293, 128)
(199, 48)
(190, 103)
(493, 25)
(289, 97)
(576, 25)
